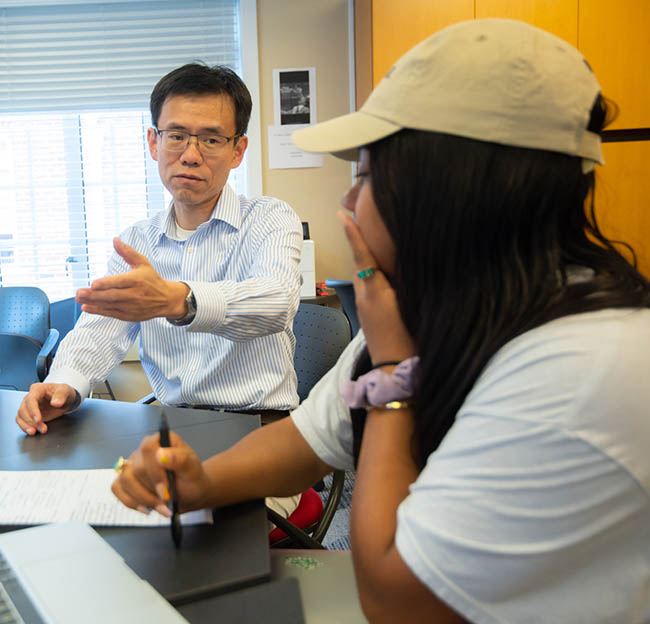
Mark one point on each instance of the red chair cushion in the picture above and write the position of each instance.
(308, 511)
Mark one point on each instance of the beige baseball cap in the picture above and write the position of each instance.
(496, 80)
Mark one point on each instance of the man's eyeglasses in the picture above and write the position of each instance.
(177, 141)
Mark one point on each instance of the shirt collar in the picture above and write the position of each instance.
(226, 209)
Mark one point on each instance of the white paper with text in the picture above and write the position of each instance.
(41, 496)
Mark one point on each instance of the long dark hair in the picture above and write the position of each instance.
(485, 236)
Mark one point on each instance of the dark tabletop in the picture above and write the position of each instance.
(231, 554)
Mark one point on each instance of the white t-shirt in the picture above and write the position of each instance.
(535, 507)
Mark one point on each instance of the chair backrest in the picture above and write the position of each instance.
(321, 335)
(345, 292)
(18, 368)
(63, 316)
(25, 310)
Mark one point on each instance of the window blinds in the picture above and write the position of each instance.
(75, 81)
(107, 55)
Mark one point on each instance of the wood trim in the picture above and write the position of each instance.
(362, 50)
(634, 134)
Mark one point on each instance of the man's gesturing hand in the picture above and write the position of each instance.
(138, 295)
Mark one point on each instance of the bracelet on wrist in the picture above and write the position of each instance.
(380, 364)
(392, 405)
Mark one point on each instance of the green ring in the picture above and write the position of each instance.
(366, 273)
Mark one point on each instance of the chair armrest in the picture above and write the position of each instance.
(150, 398)
(45, 353)
(333, 499)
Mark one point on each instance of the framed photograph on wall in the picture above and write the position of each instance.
(294, 96)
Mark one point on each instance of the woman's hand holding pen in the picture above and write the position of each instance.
(143, 485)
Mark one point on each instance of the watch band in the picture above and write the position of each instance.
(190, 304)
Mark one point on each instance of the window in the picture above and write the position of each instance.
(75, 168)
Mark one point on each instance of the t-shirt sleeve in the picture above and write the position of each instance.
(323, 418)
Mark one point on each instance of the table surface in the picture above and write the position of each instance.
(275, 602)
(231, 554)
(321, 574)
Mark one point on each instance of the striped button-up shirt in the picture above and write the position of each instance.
(242, 266)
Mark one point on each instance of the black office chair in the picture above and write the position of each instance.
(322, 334)
(345, 292)
(27, 339)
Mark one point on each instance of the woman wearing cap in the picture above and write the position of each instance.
(495, 404)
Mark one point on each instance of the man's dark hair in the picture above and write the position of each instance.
(198, 79)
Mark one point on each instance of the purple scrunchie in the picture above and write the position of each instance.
(378, 387)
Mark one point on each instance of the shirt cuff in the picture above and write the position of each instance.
(210, 307)
(71, 377)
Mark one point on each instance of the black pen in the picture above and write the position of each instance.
(177, 529)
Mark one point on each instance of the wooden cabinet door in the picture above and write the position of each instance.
(559, 17)
(614, 36)
(398, 26)
(623, 197)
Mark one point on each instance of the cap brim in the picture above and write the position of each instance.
(343, 136)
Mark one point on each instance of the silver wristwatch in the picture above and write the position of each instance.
(190, 304)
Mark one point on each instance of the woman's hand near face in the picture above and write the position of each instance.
(143, 485)
(386, 335)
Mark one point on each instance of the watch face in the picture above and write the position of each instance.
(190, 303)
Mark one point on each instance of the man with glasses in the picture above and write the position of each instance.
(211, 285)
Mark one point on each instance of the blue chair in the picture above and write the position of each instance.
(18, 368)
(63, 316)
(28, 341)
(345, 292)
